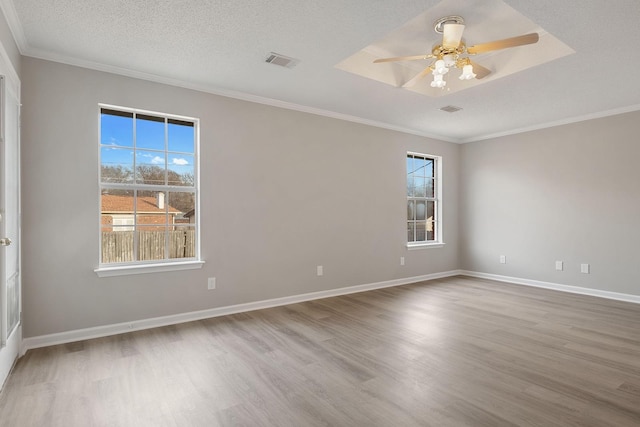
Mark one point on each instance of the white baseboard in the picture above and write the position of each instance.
(555, 286)
(137, 325)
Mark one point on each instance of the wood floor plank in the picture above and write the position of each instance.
(452, 352)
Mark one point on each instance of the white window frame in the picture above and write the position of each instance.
(437, 199)
(167, 264)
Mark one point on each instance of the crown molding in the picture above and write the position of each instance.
(576, 119)
(8, 9)
(11, 15)
(97, 66)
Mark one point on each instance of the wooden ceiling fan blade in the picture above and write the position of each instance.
(504, 44)
(404, 58)
(480, 71)
(452, 35)
(420, 75)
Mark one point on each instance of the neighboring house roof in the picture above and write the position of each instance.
(124, 204)
(191, 213)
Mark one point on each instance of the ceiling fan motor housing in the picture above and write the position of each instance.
(452, 19)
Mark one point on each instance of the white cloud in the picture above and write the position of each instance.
(157, 160)
(180, 162)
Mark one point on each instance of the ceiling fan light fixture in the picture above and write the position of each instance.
(467, 73)
(449, 60)
(440, 67)
(438, 81)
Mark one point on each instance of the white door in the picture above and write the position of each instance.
(10, 304)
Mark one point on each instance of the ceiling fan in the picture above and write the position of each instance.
(454, 53)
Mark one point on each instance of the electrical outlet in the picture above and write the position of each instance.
(319, 270)
(584, 268)
(401, 260)
(503, 259)
(559, 265)
(211, 283)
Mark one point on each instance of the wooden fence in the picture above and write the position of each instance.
(117, 246)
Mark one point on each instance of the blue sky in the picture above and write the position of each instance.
(116, 137)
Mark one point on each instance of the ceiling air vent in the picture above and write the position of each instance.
(281, 60)
(450, 109)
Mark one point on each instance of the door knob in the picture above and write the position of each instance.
(5, 241)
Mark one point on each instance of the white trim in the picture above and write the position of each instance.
(137, 325)
(555, 286)
(438, 173)
(17, 31)
(11, 15)
(13, 83)
(39, 54)
(556, 123)
(126, 270)
(133, 267)
(148, 112)
(34, 53)
(414, 247)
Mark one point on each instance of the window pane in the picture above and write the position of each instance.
(182, 242)
(411, 210)
(116, 202)
(182, 207)
(151, 242)
(420, 210)
(181, 171)
(150, 167)
(410, 189)
(430, 190)
(431, 230)
(151, 209)
(116, 128)
(409, 165)
(410, 231)
(419, 166)
(428, 167)
(116, 165)
(116, 207)
(421, 233)
(117, 245)
(181, 136)
(419, 186)
(431, 209)
(150, 132)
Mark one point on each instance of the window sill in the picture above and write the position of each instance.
(414, 247)
(126, 270)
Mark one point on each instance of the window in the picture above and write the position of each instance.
(423, 203)
(148, 188)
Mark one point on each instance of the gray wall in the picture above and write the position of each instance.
(569, 193)
(282, 192)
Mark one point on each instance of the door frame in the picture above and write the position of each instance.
(10, 344)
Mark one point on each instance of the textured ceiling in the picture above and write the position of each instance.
(221, 45)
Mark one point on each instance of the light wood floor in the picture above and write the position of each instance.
(451, 352)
